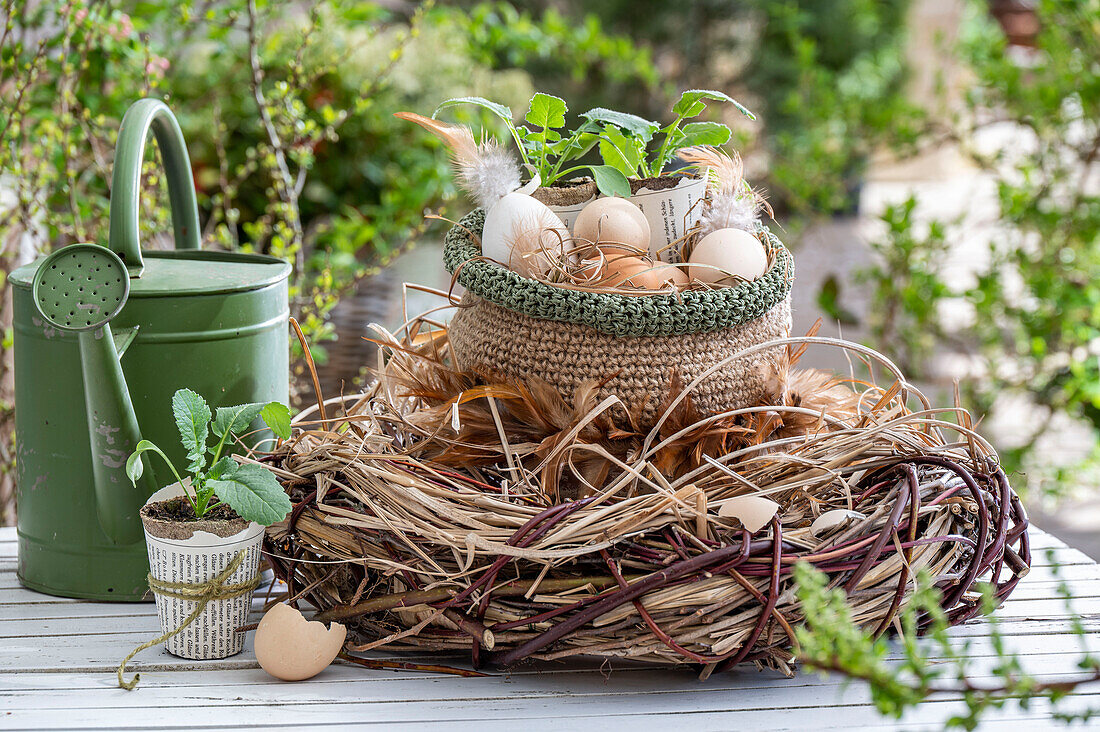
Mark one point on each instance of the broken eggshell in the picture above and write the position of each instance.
(830, 520)
(521, 232)
(754, 512)
(291, 648)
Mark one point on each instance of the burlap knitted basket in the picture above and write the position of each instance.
(514, 327)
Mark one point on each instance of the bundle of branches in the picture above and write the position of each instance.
(443, 510)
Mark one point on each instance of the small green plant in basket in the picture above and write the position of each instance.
(629, 146)
(250, 490)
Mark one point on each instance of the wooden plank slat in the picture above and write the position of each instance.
(651, 709)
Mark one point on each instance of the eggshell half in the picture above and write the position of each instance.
(830, 520)
(726, 255)
(291, 648)
(754, 512)
(521, 232)
(613, 220)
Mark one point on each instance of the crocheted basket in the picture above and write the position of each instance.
(514, 327)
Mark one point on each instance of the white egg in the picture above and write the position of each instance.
(518, 230)
(725, 255)
(611, 220)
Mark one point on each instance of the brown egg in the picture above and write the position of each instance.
(291, 648)
(590, 271)
(613, 220)
(728, 254)
(627, 271)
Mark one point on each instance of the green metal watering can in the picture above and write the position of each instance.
(103, 337)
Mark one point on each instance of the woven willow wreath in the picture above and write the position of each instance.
(438, 513)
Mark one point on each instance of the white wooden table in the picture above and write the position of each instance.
(58, 657)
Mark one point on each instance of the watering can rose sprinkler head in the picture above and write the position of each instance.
(81, 288)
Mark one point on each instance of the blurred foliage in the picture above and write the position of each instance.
(831, 77)
(827, 77)
(908, 289)
(573, 57)
(287, 111)
(1035, 301)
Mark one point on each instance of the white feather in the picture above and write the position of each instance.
(491, 176)
(725, 211)
(731, 203)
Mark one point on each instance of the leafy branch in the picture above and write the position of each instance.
(832, 641)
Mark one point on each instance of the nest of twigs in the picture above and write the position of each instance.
(440, 511)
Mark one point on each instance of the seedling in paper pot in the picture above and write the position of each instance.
(251, 490)
(630, 146)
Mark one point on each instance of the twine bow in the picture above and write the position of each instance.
(202, 593)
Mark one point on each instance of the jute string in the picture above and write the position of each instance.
(202, 594)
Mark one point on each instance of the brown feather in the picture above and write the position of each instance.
(728, 171)
(458, 138)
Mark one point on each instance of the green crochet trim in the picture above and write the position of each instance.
(619, 315)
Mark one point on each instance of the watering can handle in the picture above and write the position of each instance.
(126, 181)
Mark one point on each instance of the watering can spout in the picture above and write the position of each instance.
(114, 433)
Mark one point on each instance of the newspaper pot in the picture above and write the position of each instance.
(194, 552)
(636, 348)
(670, 203)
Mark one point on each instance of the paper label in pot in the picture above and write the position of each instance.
(211, 634)
(670, 213)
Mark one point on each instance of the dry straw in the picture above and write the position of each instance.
(440, 512)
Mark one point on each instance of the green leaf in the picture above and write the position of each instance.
(574, 147)
(222, 469)
(505, 113)
(193, 420)
(620, 151)
(546, 111)
(704, 133)
(234, 419)
(277, 417)
(610, 181)
(691, 103)
(829, 301)
(135, 467)
(254, 493)
(631, 123)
